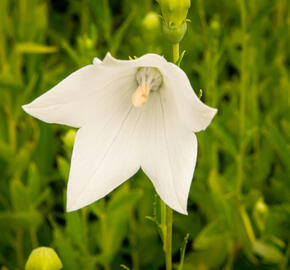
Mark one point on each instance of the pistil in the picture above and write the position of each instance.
(141, 94)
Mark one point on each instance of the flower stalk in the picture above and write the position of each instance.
(166, 212)
(175, 52)
(168, 253)
(242, 105)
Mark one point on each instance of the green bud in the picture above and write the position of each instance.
(215, 25)
(151, 21)
(174, 14)
(260, 213)
(69, 138)
(43, 258)
(173, 33)
(68, 141)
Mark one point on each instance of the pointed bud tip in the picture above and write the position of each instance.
(43, 258)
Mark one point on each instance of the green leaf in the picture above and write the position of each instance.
(279, 143)
(124, 267)
(180, 59)
(19, 196)
(269, 253)
(182, 251)
(63, 167)
(66, 251)
(34, 182)
(75, 228)
(30, 47)
(118, 36)
(16, 220)
(212, 233)
(103, 16)
(117, 218)
(242, 228)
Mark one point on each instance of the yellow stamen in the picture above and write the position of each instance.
(140, 96)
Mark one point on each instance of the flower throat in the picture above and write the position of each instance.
(148, 79)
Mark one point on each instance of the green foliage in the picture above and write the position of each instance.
(237, 52)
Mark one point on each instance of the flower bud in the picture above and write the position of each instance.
(69, 138)
(260, 213)
(43, 258)
(151, 21)
(174, 14)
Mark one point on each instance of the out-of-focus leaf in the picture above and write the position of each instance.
(33, 182)
(46, 148)
(212, 233)
(117, 218)
(278, 221)
(279, 144)
(21, 160)
(103, 16)
(63, 167)
(230, 143)
(30, 47)
(242, 228)
(66, 251)
(268, 252)
(124, 267)
(6, 152)
(182, 252)
(118, 36)
(25, 220)
(76, 229)
(210, 258)
(200, 195)
(19, 196)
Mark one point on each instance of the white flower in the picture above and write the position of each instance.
(130, 114)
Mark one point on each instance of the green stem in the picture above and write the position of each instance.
(105, 248)
(133, 241)
(175, 52)
(242, 98)
(19, 247)
(163, 224)
(168, 253)
(166, 212)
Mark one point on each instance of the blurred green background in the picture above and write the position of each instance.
(237, 52)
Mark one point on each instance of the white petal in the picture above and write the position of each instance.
(96, 61)
(193, 112)
(104, 155)
(169, 151)
(76, 100)
(147, 60)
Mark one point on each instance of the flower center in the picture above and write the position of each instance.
(148, 78)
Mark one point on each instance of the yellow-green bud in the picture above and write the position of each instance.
(260, 213)
(43, 258)
(69, 138)
(151, 21)
(174, 14)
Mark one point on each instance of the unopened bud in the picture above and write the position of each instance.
(43, 258)
(151, 21)
(260, 213)
(174, 14)
(69, 138)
